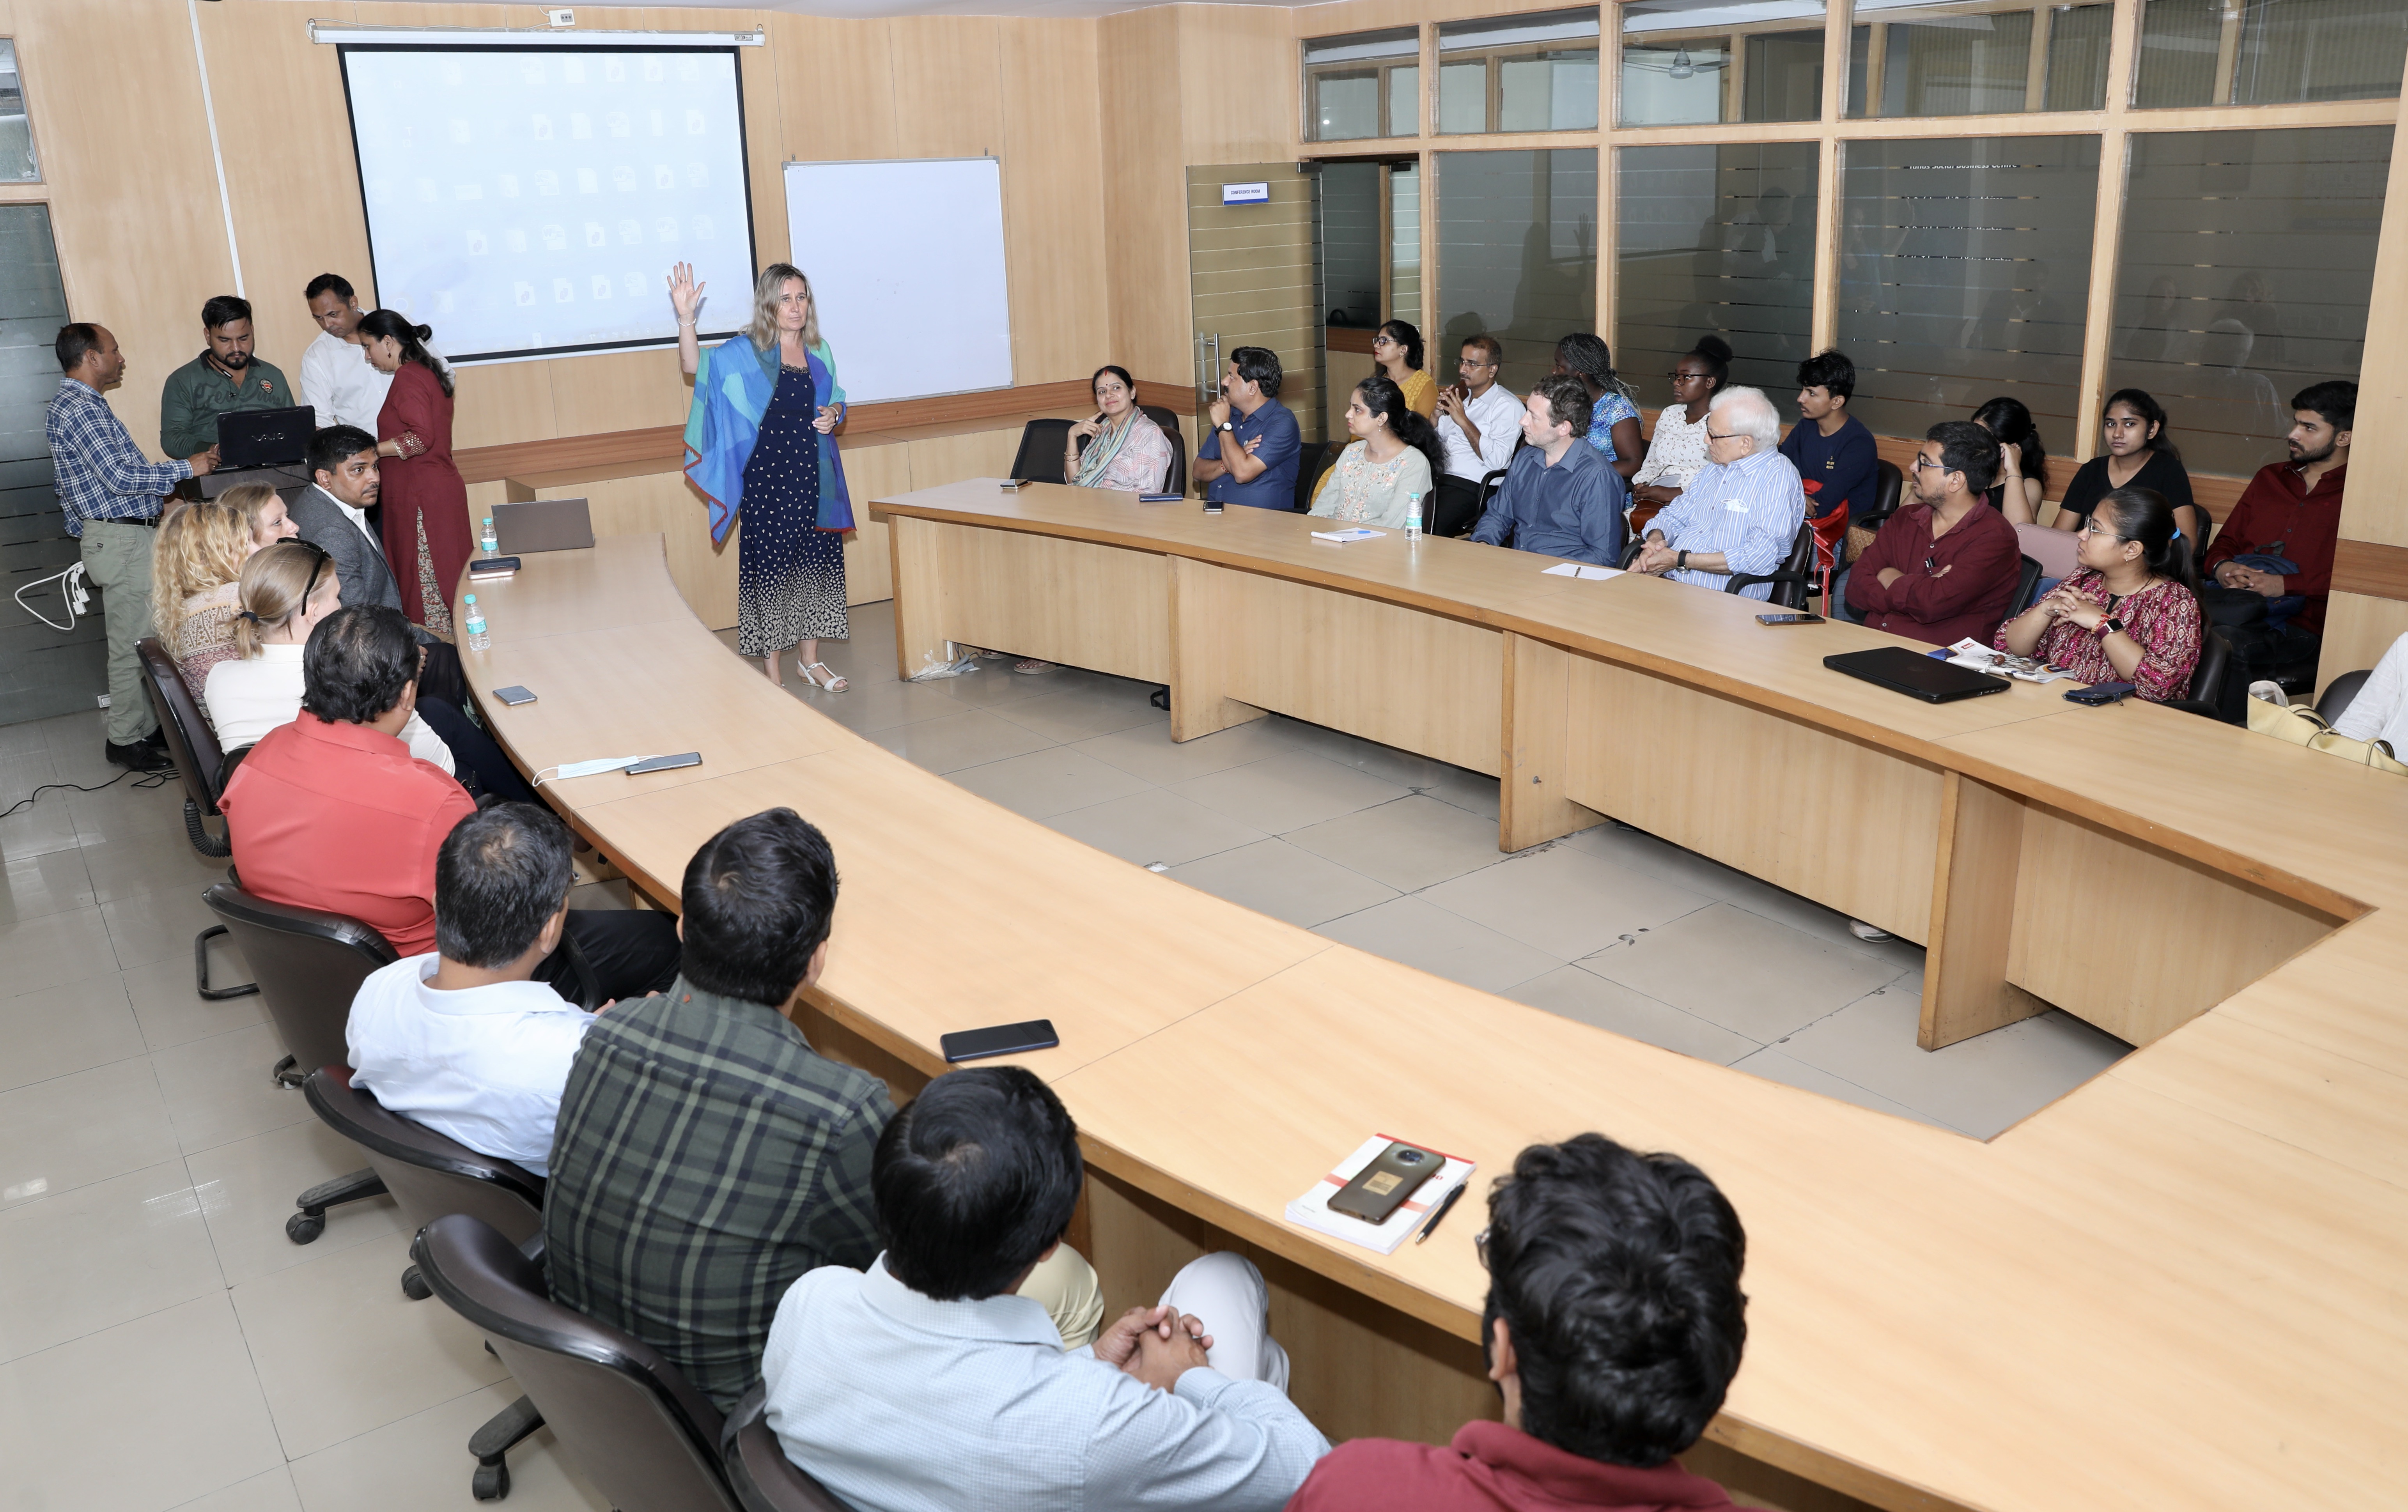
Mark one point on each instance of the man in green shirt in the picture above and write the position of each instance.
(224, 376)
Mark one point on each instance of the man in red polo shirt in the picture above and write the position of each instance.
(2291, 512)
(333, 812)
(1614, 1321)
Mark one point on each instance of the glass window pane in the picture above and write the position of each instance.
(1344, 95)
(1349, 243)
(2270, 51)
(2246, 265)
(1686, 62)
(1944, 59)
(1516, 253)
(17, 164)
(1714, 240)
(1405, 245)
(1544, 66)
(1404, 101)
(1965, 274)
(2077, 57)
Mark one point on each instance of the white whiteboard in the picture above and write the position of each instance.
(906, 262)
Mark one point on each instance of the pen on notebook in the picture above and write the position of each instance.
(1445, 1204)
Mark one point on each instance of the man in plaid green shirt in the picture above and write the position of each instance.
(706, 1155)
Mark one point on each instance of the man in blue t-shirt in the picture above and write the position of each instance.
(1261, 434)
(1833, 452)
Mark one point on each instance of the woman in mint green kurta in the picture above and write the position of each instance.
(760, 440)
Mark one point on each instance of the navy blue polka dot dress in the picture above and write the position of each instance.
(789, 572)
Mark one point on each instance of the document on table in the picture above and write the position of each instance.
(1312, 1209)
(1970, 652)
(1581, 569)
(1358, 533)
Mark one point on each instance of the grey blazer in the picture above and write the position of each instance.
(360, 562)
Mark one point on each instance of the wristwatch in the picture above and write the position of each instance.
(1681, 561)
(1229, 426)
(2110, 626)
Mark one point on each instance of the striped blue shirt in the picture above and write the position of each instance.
(1749, 510)
(102, 475)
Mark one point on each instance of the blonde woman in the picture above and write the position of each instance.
(194, 563)
(761, 438)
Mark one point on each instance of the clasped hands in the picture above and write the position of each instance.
(2065, 604)
(1656, 557)
(2233, 575)
(1157, 1345)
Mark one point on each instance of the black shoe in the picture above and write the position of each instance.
(141, 756)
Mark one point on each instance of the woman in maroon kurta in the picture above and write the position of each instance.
(425, 502)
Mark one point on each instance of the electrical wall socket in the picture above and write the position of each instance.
(561, 18)
(104, 700)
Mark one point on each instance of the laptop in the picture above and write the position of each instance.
(264, 437)
(543, 525)
(1916, 674)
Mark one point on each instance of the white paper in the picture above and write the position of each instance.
(1980, 658)
(1312, 1209)
(1583, 570)
(1359, 532)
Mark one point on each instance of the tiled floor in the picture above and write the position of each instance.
(162, 1345)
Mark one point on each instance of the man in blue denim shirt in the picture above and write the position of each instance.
(1558, 499)
(1260, 471)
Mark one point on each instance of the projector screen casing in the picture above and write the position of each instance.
(528, 201)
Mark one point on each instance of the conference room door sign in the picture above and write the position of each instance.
(1256, 194)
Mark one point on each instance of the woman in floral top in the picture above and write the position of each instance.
(1390, 463)
(1612, 419)
(2129, 614)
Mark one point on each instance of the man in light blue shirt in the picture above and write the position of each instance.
(930, 1384)
(1742, 512)
(1560, 498)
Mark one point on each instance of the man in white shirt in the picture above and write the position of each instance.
(335, 378)
(1478, 424)
(465, 1041)
(934, 1345)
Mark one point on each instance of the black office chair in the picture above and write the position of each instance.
(309, 964)
(1168, 421)
(1889, 487)
(431, 1176)
(2207, 678)
(1792, 580)
(1312, 458)
(192, 742)
(2027, 588)
(757, 1463)
(2343, 692)
(636, 1428)
(1040, 450)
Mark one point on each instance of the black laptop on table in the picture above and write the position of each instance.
(264, 437)
(1916, 674)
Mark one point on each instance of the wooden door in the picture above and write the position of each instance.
(1253, 280)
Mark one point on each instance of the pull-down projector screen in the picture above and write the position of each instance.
(528, 201)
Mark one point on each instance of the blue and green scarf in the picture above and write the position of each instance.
(725, 423)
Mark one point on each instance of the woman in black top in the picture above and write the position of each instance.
(2139, 454)
(2023, 462)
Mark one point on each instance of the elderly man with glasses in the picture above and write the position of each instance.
(1740, 512)
(1945, 567)
(1478, 425)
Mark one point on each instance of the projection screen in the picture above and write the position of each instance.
(528, 201)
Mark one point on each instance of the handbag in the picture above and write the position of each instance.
(2304, 727)
(2231, 608)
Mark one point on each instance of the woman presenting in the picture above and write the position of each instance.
(425, 503)
(760, 439)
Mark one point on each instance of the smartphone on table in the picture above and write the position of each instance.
(1383, 1186)
(999, 1039)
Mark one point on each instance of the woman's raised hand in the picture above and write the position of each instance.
(684, 293)
(1087, 429)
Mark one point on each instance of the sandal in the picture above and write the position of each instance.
(1032, 664)
(818, 674)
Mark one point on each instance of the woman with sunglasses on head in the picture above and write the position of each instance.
(2138, 454)
(1677, 451)
(2130, 614)
(285, 590)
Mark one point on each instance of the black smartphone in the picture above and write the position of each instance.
(2100, 694)
(1012, 485)
(665, 764)
(493, 566)
(999, 1039)
(1381, 1187)
(1211, 507)
(514, 695)
(1789, 619)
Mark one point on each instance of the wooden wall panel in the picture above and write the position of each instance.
(621, 391)
(836, 89)
(1239, 77)
(1053, 214)
(1145, 193)
(948, 86)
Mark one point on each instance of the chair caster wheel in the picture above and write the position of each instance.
(302, 1228)
(413, 1285)
(492, 1481)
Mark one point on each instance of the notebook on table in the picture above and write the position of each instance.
(1916, 674)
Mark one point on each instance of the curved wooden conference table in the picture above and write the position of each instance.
(2178, 1286)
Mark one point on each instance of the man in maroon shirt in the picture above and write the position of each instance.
(2291, 511)
(1946, 568)
(333, 812)
(1615, 1324)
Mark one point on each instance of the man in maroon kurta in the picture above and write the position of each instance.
(2290, 510)
(1946, 568)
(1615, 1323)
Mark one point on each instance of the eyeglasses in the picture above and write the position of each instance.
(1690, 378)
(2092, 527)
(1726, 435)
(1474, 362)
(1480, 1246)
(1921, 464)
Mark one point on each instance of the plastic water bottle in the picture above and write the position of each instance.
(478, 639)
(487, 541)
(1413, 520)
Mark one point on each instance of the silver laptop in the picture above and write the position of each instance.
(543, 525)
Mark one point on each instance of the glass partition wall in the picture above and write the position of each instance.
(1970, 198)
